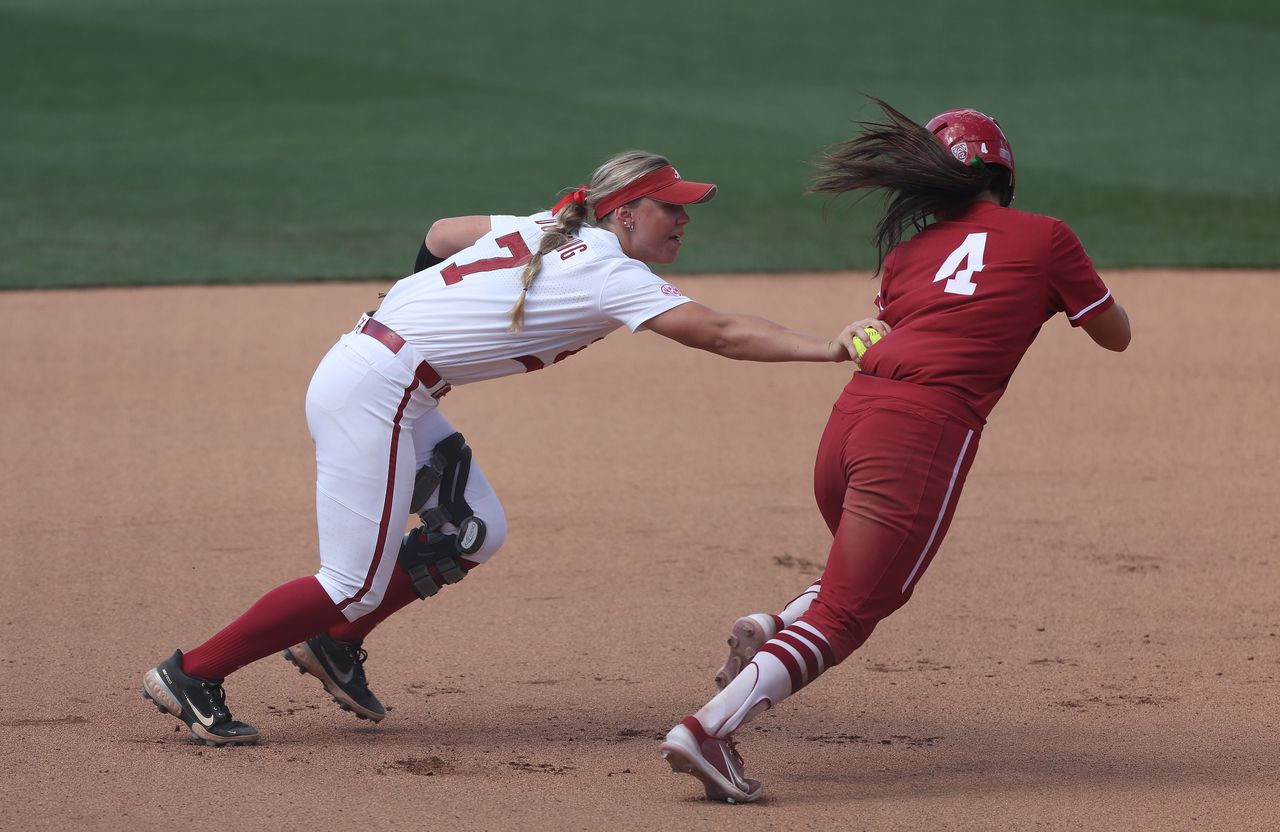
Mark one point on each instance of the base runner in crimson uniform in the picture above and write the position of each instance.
(961, 301)
(491, 296)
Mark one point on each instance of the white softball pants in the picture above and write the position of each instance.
(374, 425)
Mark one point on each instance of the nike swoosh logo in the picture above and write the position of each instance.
(206, 721)
(732, 771)
(344, 678)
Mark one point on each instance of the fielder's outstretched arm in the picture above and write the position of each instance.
(749, 337)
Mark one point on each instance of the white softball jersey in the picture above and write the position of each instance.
(372, 403)
(457, 314)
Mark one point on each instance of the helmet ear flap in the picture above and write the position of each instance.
(1003, 185)
(999, 179)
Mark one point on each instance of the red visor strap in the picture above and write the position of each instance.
(645, 185)
(579, 195)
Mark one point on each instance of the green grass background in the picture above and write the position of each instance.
(157, 141)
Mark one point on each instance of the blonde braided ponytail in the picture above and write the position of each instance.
(571, 212)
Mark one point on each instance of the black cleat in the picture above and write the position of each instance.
(200, 703)
(339, 665)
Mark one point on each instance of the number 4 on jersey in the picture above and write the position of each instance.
(970, 254)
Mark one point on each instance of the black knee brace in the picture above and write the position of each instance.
(432, 558)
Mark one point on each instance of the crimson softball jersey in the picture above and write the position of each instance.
(966, 297)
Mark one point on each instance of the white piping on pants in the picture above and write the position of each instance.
(942, 512)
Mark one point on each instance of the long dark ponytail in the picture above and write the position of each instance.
(919, 177)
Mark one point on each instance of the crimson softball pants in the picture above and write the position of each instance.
(890, 467)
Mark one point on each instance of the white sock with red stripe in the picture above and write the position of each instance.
(797, 606)
(787, 662)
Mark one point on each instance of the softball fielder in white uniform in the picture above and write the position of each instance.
(498, 295)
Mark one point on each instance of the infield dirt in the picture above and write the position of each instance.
(1096, 646)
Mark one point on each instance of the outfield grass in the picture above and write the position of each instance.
(165, 141)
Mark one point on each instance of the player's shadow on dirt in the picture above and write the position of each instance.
(989, 760)
(949, 758)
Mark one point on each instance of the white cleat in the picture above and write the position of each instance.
(746, 637)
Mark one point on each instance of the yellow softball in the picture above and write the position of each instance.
(861, 348)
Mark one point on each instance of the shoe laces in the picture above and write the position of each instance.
(732, 745)
(356, 653)
(216, 695)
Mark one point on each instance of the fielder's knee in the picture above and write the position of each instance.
(453, 536)
(495, 519)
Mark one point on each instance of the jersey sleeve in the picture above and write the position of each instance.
(505, 224)
(631, 295)
(1076, 287)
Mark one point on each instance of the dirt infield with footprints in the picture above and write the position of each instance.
(1097, 645)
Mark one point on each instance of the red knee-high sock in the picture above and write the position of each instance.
(286, 615)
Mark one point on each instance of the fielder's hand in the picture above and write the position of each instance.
(842, 348)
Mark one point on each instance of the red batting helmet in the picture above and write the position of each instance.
(969, 134)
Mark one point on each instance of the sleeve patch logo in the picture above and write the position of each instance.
(668, 289)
